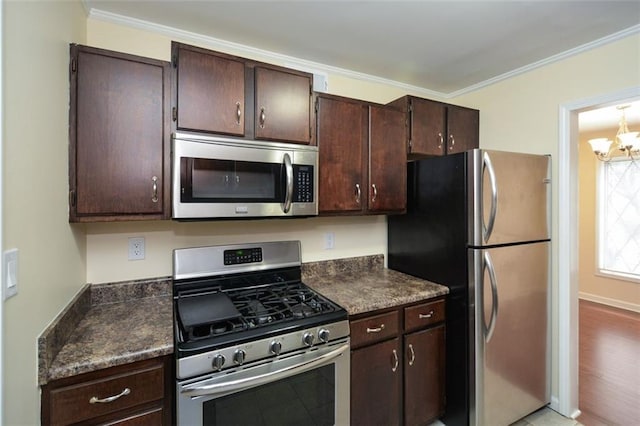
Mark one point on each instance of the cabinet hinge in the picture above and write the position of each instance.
(409, 108)
(317, 105)
(74, 65)
(409, 146)
(174, 61)
(174, 114)
(72, 198)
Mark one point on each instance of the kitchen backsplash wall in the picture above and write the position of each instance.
(107, 243)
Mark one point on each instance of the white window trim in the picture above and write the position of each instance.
(601, 271)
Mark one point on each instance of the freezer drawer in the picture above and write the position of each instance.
(508, 197)
(509, 332)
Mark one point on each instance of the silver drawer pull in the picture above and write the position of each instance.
(426, 316)
(396, 362)
(375, 329)
(95, 399)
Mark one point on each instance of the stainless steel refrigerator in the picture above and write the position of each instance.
(478, 222)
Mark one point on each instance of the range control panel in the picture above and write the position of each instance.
(240, 256)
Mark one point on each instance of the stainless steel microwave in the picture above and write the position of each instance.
(216, 177)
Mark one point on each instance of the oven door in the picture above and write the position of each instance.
(303, 388)
(216, 177)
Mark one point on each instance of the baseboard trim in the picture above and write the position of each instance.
(610, 302)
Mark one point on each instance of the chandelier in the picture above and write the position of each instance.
(627, 142)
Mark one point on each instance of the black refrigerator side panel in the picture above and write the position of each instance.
(430, 240)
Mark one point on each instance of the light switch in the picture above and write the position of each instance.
(10, 275)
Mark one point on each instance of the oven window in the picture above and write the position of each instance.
(303, 399)
(231, 181)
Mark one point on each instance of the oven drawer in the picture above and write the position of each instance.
(105, 395)
(423, 315)
(374, 328)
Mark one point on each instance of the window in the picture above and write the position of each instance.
(619, 219)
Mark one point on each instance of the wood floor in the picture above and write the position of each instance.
(609, 365)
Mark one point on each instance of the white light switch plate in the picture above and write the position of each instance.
(10, 273)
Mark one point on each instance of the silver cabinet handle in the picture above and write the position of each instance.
(96, 400)
(488, 264)
(486, 165)
(263, 117)
(238, 113)
(441, 140)
(154, 193)
(358, 193)
(426, 316)
(375, 329)
(396, 362)
(286, 206)
(453, 142)
(412, 355)
(375, 192)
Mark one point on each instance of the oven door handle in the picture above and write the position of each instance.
(233, 385)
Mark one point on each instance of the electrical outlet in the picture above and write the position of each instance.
(329, 240)
(10, 278)
(136, 248)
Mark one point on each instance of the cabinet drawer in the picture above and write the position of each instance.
(72, 403)
(374, 328)
(423, 315)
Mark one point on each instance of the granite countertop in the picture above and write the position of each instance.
(107, 325)
(363, 284)
(113, 324)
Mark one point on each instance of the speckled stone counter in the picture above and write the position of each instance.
(107, 325)
(363, 284)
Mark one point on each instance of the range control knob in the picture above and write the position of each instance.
(275, 347)
(217, 362)
(323, 335)
(307, 338)
(239, 356)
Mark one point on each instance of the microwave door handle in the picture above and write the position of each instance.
(288, 196)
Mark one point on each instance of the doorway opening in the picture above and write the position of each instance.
(567, 306)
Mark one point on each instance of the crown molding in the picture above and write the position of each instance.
(293, 62)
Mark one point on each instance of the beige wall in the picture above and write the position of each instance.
(36, 37)
(522, 114)
(616, 292)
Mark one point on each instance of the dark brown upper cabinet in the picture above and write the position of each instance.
(223, 94)
(436, 128)
(119, 136)
(210, 92)
(362, 161)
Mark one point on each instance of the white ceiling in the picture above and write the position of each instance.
(447, 47)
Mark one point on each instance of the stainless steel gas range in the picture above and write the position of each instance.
(254, 345)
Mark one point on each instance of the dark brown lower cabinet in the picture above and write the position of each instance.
(398, 365)
(139, 393)
(376, 380)
(424, 376)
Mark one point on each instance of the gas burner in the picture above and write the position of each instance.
(302, 311)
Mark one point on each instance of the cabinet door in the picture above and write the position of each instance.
(424, 382)
(210, 92)
(376, 378)
(463, 129)
(387, 160)
(283, 106)
(427, 127)
(342, 139)
(119, 136)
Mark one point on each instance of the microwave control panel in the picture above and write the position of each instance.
(303, 184)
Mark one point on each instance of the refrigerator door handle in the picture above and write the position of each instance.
(486, 165)
(488, 330)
